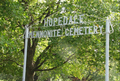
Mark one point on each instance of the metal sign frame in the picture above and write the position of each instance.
(107, 50)
(25, 51)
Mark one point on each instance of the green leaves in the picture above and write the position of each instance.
(88, 50)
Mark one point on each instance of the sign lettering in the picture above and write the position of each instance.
(63, 20)
(67, 32)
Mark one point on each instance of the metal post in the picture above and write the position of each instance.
(107, 51)
(25, 51)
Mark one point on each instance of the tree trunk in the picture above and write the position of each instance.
(30, 65)
(29, 76)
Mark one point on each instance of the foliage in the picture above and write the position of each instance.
(73, 56)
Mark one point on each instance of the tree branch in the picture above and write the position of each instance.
(34, 42)
(47, 14)
(40, 64)
(39, 17)
(55, 66)
(58, 3)
(17, 63)
(39, 57)
(14, 62)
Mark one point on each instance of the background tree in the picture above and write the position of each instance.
(46, 54)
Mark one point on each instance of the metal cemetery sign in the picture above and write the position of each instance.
(61, 22)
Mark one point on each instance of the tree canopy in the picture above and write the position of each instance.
(78, 56)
